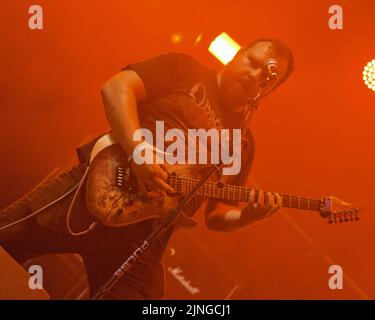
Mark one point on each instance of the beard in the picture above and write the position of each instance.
(235, 95)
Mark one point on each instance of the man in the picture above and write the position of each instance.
(174, 88)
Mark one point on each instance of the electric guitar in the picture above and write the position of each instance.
(112, 195)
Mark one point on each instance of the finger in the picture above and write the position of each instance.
(260, 199)
(164, 167)
(279, 200)
(162, 186)
(269, 203)
(270, 199)
(166, 186)
(277, 204)
(252, 196)
(161, 173)
(166, 170)
(267, 210)
(165, 173)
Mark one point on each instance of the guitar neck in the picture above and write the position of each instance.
(221, 191)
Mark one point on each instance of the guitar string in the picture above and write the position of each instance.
(241, 193)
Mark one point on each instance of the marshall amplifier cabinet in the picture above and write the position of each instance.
(191, 272)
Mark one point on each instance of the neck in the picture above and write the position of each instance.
(222, 191)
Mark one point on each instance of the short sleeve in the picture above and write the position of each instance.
(161, 73)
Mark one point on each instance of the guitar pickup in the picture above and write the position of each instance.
(122, 176)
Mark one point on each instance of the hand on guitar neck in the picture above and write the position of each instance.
(260, 207)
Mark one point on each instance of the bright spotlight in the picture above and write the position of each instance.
(224, 48)
(369, 75)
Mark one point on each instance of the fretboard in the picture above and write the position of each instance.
(238, 193)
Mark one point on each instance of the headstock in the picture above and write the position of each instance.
(338, 211)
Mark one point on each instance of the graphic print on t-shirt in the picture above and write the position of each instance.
(199, 95)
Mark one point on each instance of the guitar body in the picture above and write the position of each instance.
(112, 193)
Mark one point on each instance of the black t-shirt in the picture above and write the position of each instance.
(185, 95)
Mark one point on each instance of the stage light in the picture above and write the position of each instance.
(198, 39)
(224, 48)
(369, 75)
(176, 38)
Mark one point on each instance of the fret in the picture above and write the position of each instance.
(241, 193)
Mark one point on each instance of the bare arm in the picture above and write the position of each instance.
(120, 95)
